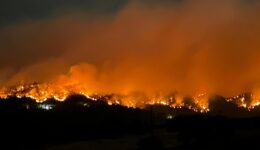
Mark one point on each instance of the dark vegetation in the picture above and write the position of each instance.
(29, 125)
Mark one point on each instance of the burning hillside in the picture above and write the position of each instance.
(138, 55)
(43, 92)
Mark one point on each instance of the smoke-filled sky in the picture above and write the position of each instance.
(151, 46)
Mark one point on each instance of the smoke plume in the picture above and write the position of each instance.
(202, 46)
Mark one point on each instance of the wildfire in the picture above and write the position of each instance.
(43, 92)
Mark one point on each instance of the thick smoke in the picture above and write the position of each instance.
(187, 46)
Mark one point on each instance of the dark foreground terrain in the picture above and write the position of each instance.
(79, 123)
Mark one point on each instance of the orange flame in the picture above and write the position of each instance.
(43, 92)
